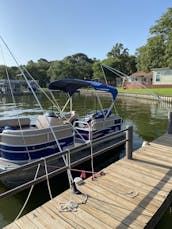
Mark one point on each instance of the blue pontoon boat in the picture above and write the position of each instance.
(22, 143)
(99, 123)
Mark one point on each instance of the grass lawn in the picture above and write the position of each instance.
(157, 91)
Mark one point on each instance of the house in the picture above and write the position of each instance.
(139, 79)
(162, 77)
(157, 78)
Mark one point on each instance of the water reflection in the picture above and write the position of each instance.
(148, 117)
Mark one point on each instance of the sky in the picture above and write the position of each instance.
(54, 29)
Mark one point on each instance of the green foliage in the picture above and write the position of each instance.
(38, 70)
(11, 72)
(151, 91)
(118, 58)
(163, 26)
(117, 51)
(97, 71)
(75, 66)
(157, 53)
(152, 54)
(3, 72)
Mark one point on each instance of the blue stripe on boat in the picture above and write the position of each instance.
(96, 134)
(37, 151)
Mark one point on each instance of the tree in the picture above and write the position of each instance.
(38, 70)
(58, 70)
(75, 66)
(11, 72)
(97, 71)
(157, 53)
(168, 51)
(3, 72)
(119, 59)
(163, 26)
(117, 51)
(152, 55)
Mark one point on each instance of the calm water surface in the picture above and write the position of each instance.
(148, 118)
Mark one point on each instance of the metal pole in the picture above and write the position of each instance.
(170, 122)
(129, 142)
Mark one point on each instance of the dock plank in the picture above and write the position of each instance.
(132, 194)
(132, 173)
(114, 207)
(91, 216)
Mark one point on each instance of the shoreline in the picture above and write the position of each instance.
(147, 96)
(134, 95)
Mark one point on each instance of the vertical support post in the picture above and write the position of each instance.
(129, 142)
(170, 122)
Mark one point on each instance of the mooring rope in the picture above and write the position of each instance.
(29, 194)
(48, 183)
(91, 150)
(14, 101)
(72, 206)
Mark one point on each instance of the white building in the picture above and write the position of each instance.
(162, 76)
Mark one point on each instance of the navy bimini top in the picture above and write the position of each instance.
(72, 85)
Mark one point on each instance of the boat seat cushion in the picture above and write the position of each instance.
(44, 121)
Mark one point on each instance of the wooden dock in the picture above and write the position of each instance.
(132, 194)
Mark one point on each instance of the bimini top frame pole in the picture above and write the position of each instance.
(70, 86)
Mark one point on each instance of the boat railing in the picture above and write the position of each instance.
(67, 153)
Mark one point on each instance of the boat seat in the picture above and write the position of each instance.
(35, 136)
(17, 122)
(70, 117)
(44, 121)
(98, 115)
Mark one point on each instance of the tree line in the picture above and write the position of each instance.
(156, 53)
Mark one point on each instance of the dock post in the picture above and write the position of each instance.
(129, 142)
(170, 122)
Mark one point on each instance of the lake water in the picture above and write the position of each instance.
(149, 119)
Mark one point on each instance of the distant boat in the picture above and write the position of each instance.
(16, 87)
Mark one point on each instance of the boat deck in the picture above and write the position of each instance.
(6, 165)
(132, 194)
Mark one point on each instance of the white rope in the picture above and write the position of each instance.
(70, 179)
(54, 103)
(91, 149)
(29, 194)
(72, 206)
(14, 101)
(125, 76)
(48, 183)
(104, 75)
